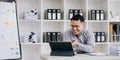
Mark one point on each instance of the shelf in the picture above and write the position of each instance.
(52, 4)
(114, 42)
(51, 26)
(114, 21)
(53, 20)
(98, 27)
(45, 44)
(97, 21)
(75, 4)
(25, 5)
(22, 20)
(98, 5)
(97, 43)
(42, 25)
(30, 43)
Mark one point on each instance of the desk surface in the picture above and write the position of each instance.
(82, 57)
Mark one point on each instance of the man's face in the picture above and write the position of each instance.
(77, 26)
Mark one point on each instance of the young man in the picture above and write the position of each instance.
(82, 39)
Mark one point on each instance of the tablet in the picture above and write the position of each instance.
(61, 49)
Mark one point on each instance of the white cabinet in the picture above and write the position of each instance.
(42, 25)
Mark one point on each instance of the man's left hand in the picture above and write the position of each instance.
(75, 43)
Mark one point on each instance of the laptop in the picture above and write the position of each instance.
(61, 49)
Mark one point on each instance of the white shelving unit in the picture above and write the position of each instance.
(43, 25)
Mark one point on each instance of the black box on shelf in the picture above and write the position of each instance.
(48, 37)
(97, 15)
(102, 15)
(49, 14)
(53, 14)
(100, 36)
(95, 36)
(59, 37)
(53, 36)
(58, 14)
(93, 14)
(73, 12)
(80, 12)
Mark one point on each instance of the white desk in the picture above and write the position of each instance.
(82, 57)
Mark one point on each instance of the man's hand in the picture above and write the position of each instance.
(75, 43)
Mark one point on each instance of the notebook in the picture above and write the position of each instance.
(61, 49)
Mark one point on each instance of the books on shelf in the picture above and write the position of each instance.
(114, 32)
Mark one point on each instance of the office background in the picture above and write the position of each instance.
(101, 16)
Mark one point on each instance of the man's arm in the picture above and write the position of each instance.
(67, 37)
(89, 46)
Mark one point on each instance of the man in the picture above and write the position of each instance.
(82, 39)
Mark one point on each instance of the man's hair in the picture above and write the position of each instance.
(78, 17)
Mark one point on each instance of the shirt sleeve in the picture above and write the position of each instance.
(67, 37)
(90, 43)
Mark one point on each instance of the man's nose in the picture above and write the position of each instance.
(74, 28)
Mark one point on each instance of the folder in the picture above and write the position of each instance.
(111, 32)
(80, 12)
(48, 37)
(102, 37)
(54, 14)
(75, 12)
(101, 14)
(54, 36)
(70, 13)
(93, 15)
(98, 37)
(97, 15)
(49, 14)
(59, 38)
(116, 30)
(58, 14)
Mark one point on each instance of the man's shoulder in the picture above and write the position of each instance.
(88, 31)
(68, 31)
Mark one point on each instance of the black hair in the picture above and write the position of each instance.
(78, 17)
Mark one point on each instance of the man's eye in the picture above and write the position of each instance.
(74, 26)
